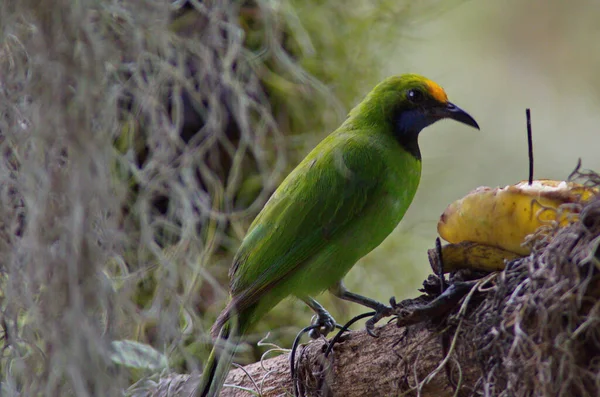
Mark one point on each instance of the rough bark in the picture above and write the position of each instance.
(397, 362)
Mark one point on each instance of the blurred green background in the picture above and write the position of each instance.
(158, 210)
(494, 59)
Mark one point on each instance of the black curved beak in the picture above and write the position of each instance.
(453, 112)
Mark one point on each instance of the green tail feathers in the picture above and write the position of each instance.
(219, 362)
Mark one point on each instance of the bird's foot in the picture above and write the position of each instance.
(326, 324)
(381, 311)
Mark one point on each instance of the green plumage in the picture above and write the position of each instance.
(340, 202)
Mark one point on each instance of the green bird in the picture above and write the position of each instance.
(336, 206)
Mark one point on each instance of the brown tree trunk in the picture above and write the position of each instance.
(396, 362)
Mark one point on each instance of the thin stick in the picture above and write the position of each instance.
(438, 248)
(529, 144)
(297, 342)
(345, 328)
(293, 356)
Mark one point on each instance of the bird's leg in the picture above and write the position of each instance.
(381, 310)
(322, 318)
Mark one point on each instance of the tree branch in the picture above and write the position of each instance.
(394, 363)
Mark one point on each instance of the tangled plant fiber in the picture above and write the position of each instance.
(80, 227)
(137, 140)
(538, 329)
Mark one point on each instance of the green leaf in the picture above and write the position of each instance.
(137, 355)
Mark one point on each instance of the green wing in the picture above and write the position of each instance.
(334, 184)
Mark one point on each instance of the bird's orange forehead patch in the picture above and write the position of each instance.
(437, 92)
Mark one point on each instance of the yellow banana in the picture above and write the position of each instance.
(504, 217)
(469, 255)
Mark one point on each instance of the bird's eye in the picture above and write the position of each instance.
(415, 96)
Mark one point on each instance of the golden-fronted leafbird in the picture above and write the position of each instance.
(337, 205)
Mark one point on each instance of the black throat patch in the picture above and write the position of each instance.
(410, 142)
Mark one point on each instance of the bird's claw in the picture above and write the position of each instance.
(326, 324)
(380, 312)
